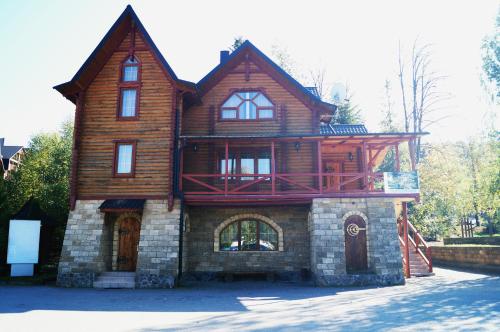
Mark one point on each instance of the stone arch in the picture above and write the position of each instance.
(355, 213)
(255, 216)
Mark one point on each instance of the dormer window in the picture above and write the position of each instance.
(128, 104)
(247, 105)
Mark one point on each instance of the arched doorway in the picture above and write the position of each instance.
(128, 239)
(355, 244)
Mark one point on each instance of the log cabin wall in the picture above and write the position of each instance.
(153, 129)
(292, 116)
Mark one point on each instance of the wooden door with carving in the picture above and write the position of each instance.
(128, 240)
(355, 244)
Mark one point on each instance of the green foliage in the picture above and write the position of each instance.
(237, 42)
(457, 180)
(44, 173)
(491, 56)
(347, 113)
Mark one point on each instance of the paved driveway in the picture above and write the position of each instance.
(448, 301)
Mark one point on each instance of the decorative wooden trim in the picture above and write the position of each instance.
(211, 120)
(117, 143)
(283, 118)
(126, 196)
(80, 105)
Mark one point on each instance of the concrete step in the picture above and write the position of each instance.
(115, 280)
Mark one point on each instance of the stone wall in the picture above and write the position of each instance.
(157, 260)
(327, 239)
(82, 255)
(204, 261)
(489, 240)
(483, 257)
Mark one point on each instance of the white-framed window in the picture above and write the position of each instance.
(247, 105)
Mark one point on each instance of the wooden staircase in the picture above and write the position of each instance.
(418, 261)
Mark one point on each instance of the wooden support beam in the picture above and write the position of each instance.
(365, 167)
(320, 168)
(396, 152)
(273, 169)
(227, 167)
(407, 248)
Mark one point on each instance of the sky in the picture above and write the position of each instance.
(44, 43)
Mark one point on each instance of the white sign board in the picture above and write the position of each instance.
(24, 241)
(401, 183)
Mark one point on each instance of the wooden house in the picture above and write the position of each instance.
(11, 156)
(239, 173)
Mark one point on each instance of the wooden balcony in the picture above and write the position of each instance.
(299, 169)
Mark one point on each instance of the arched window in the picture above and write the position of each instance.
(247, 105)
(128, 108)
(248, 235)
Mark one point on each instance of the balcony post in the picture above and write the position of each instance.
(405, 230)
(273, 169)
(396, 152)
(181, 165)
(411, 146)
(320, 168)
(227, 167)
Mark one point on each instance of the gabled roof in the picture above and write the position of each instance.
(105, 49)
(307, 95)
(8, 151)
(342, 129)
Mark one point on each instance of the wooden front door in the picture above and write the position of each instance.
(355, 244)
(128, 240)
(332, 181)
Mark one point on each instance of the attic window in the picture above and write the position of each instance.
(130, 70)
(247, 105)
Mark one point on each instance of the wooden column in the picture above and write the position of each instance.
(320, 168)
(80, 101)
(273, 169)
(411, 146)
(227, 167)
(405, 230)
(181, 165)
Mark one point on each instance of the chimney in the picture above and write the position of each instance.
(223, 56)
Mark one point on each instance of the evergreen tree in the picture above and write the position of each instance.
(237, 42)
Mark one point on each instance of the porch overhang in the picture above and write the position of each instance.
(122, 205)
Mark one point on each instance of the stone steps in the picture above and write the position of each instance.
(115, 280)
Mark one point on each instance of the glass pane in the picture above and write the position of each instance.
(265, 114)
(262, 101)
(268, 237)
(131, 60)
(231, 166)
(247, 111)
(247, 95)
(128, 102)
(130, 73)
(124, 159)
(247, 167)
(264, 166)
(248, 235)
(233, 101)
(229, 114)
(229, 238)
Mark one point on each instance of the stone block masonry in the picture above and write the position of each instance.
(158, 252)
(88, 245)
(81, 256)
(326, 229)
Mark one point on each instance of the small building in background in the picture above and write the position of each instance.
(11, 156)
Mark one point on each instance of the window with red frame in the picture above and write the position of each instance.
(125, 159)
(246, 162)
(129, 89)
(247, 105)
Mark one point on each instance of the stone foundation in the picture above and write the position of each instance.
(157, 260)
(204, 261)
(326, 225)
(82, 255)
(90, 245)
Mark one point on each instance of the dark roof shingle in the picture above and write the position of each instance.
(342, 129)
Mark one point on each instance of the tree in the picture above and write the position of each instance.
(347, 112)
(420, 94)
(237, 42)
(491, 59)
